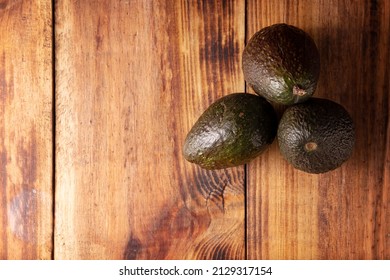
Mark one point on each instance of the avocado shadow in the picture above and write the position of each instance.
(350, 65)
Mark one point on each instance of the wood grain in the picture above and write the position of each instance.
(26, 91)
(343, 214)
(131, 79)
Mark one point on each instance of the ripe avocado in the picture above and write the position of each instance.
(316, 136)
(281, 63)
(233, 130)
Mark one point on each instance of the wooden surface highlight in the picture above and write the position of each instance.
(131, 78)
(26, 91)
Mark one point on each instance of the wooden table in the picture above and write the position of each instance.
(96, 98)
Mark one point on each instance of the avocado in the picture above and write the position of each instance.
(316, 136)
(232, 131)
(281, 63)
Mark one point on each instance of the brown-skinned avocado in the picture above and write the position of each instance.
(232, 131)
(281, 63)
(316, 136)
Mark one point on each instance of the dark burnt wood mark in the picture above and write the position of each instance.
(133, 248)
(27, 159)
(25, 129)
(3, 4)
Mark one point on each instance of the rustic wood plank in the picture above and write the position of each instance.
(343, 214)
(131, 79)
(26, 91)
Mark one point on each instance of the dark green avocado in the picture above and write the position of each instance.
(281, 63)
(316, 136)
(232, 131)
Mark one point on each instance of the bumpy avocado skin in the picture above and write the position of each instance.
(282, 63)
(321, 123)
(231, 132)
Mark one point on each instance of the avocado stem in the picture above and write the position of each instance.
(298, 91)
(310, 146)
